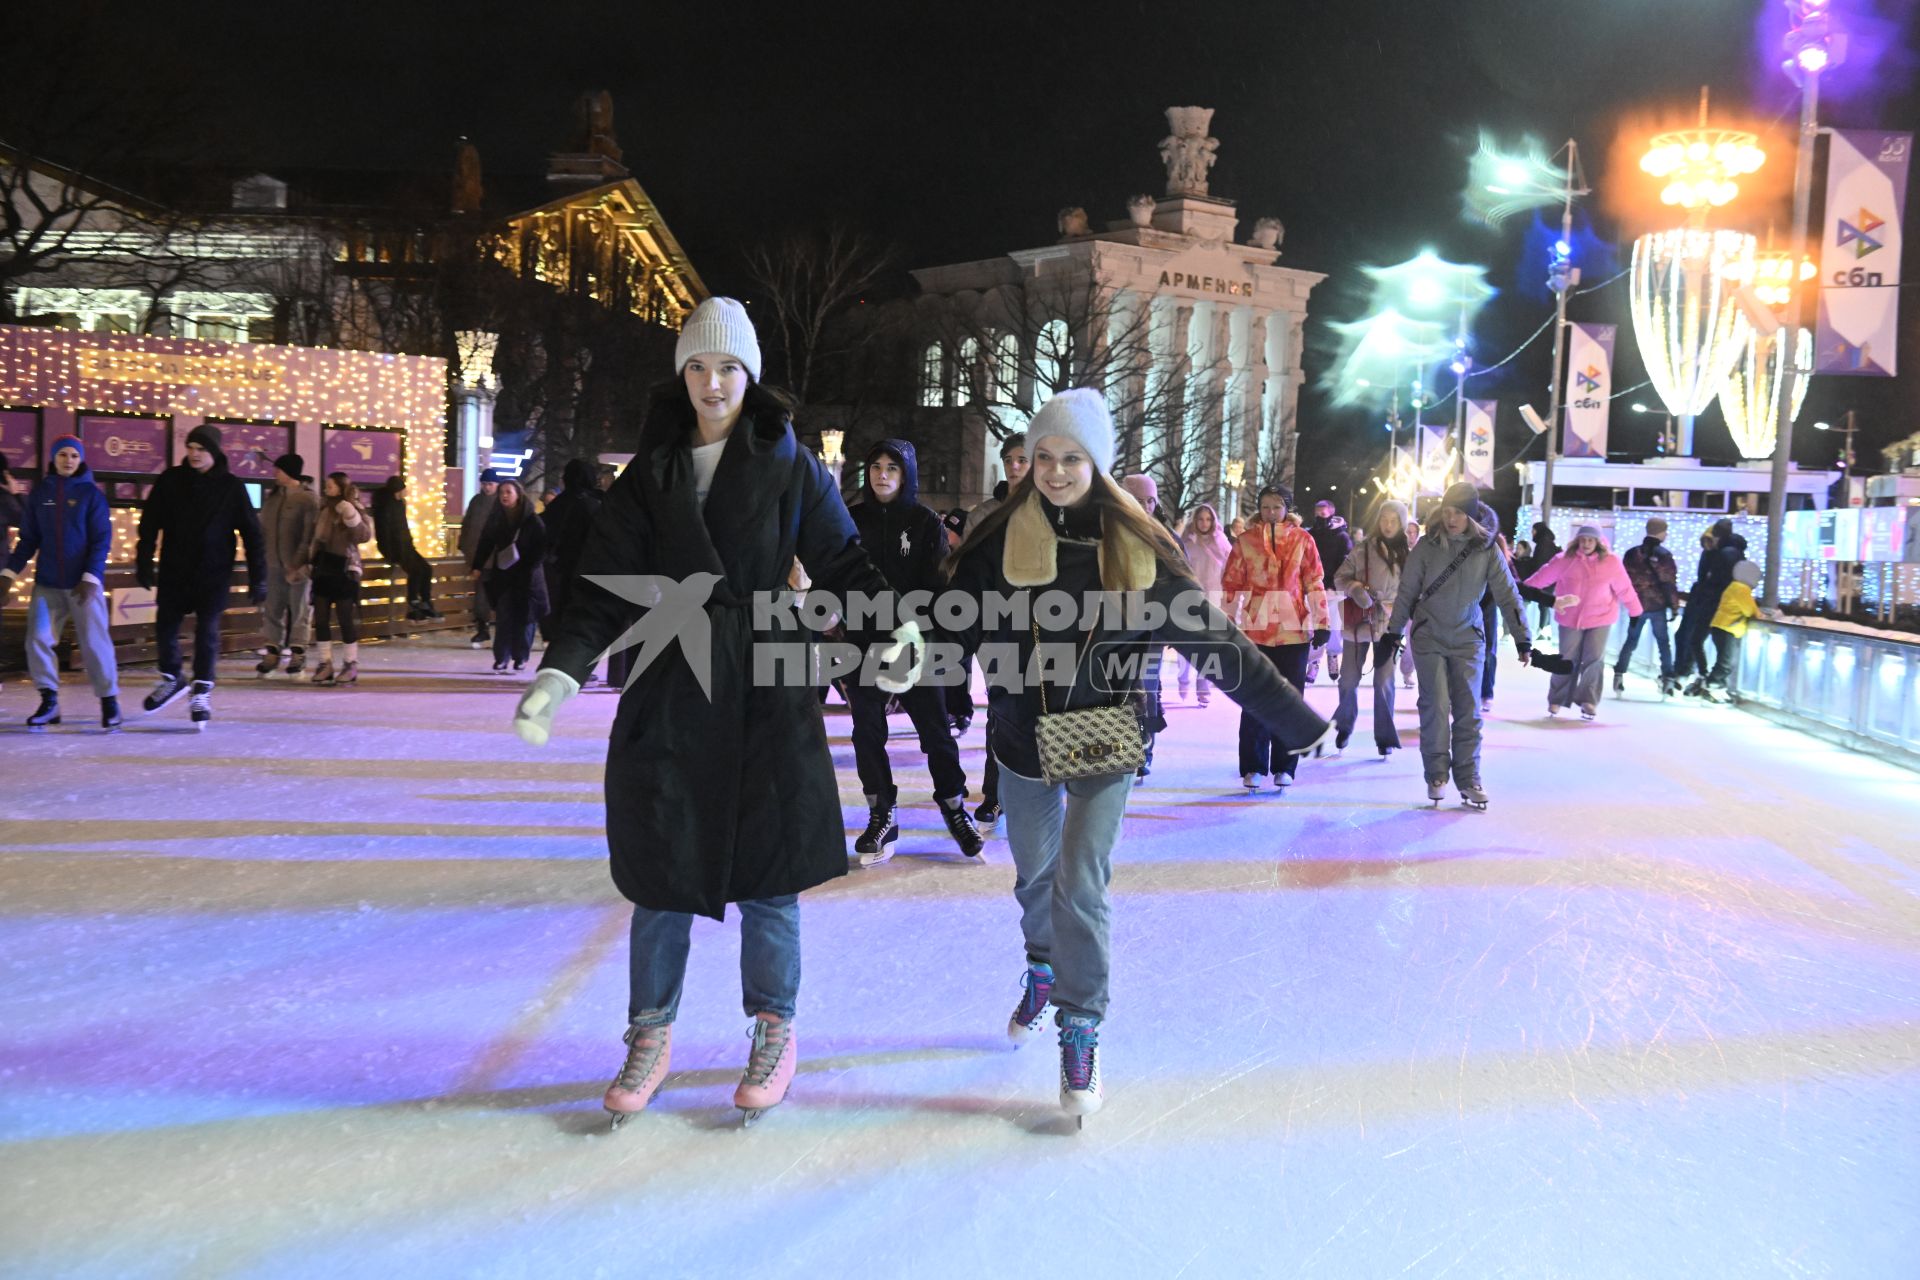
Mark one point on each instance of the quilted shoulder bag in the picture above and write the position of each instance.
(1094, 742)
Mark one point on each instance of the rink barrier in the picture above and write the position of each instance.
(1860, 691)
(383, 615)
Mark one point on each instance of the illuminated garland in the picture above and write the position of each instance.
(194, 379)
(1684, 318)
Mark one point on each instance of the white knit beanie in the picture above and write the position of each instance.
(1081, 416)
(718, 326)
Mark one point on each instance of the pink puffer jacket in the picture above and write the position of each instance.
(1598, 581)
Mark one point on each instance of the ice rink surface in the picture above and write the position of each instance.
(333, 989)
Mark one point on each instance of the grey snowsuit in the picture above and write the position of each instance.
(1449, 647)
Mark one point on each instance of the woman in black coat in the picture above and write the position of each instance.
(720, 787)
(510, 564)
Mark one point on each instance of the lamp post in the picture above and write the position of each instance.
(1561, 276)
(1812, 47)
(831, 441)
(1236, 476)
(474, 390)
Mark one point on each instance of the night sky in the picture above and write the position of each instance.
(958, 133)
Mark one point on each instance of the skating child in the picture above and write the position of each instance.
(1728, 628)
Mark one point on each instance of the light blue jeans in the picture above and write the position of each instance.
(769, 960)
(1062, 837)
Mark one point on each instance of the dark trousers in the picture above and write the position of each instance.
(482, 610)
(513, 625)
(1658, 619)
(419, 578)
(927, 708)
(960, 696)
(1726, 652)
(171, 609)
(1259, 753)
(1490, 628)
(1690, 644)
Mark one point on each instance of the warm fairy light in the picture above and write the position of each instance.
(1772, 276)
(1750, 393)
(1700, 164)
(1685, 320)
(475, 348)
(831, 441)
(1236, 472)
(187, 378)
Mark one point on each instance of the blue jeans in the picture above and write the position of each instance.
(769, 960)
(1062, 837)
(1658, 617)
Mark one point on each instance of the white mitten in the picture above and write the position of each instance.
(906, 640)
(533, 718)
(1565, 602)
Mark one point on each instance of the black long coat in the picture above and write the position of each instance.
(194, 517)
(733, 798)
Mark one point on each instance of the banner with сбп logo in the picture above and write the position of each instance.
(1589, 389)
(1859, 321)
(1479, 458)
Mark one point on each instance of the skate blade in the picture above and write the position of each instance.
(750, 1115)
(618, 1118)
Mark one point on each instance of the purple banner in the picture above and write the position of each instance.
(126, 446)
(368, 457)
(251, 447)
(20, 439)
(1859, 320)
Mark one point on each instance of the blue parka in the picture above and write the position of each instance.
(67, 524)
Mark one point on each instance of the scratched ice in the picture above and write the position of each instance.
(333, 989)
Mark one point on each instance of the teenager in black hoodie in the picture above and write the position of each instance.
(907, 543)
(193, 513)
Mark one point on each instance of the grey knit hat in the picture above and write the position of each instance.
(1081, 416)
(718, 326)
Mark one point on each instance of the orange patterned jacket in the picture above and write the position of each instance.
(1273, 585)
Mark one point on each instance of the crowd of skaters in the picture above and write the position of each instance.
(723, 794)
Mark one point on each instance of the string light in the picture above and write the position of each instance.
(199, 381)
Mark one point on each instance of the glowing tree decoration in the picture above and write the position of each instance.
(1685, 319)
(1503, 183)
(1749, 396)
(1375, 351)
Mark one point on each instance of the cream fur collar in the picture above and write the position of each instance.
(1031, 556)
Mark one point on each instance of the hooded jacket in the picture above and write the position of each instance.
(193, 517)
(1332, 539)
(716, 799)
(569, 518)
(65, 522)
(1275, 585)
(1207, 553)
(1736, 606)
(1042, 549)
(906, 541)
(1449, 621)
(1596, 583)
